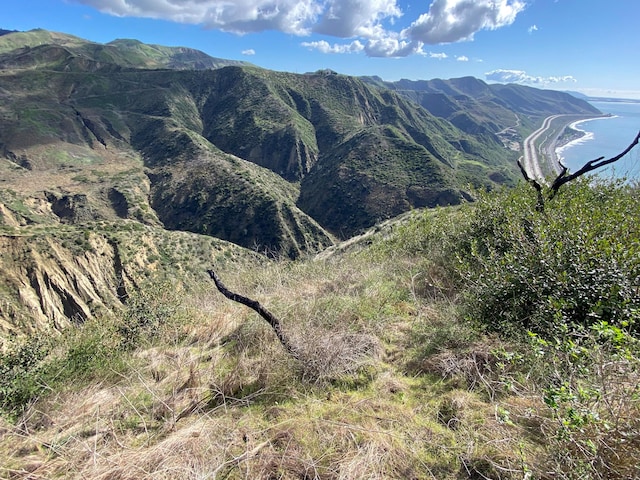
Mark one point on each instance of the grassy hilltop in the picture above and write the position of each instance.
(483, 341)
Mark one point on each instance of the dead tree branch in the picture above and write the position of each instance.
(536, 185)
(563, 178)
(263, 312)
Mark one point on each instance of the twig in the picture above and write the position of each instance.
(263, 312)
(589, 166)
(237, 460)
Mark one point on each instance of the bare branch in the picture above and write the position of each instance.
(563, 178)
(237, 460)
(535, 183)
(263, 312)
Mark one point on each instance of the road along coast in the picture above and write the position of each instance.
(539, 157)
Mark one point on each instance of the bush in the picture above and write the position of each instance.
(575, 264)
(42, 364)
(20, 370)
(97, 349)
(150, 310)
(589, 380)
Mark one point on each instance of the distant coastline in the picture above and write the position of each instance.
(573, 135)
(579, 141)
(565, 135)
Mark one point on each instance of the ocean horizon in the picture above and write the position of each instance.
(606, 136)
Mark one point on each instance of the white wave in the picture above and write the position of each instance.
(587, 137)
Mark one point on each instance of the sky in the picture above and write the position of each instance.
(589, 46)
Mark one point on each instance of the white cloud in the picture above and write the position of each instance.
(439, 56)
(532, 28)
(368, 22)
(337, 18)
(347, 18)
(455, 20)
(392, 46)
(462, 58)
(325, 47)
(520, 76)
(249, 51)
(384, 44)
(238, 16)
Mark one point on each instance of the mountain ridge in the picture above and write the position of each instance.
(485, 109)
(281, 163)
(56, 49)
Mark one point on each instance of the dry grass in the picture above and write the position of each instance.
(595, 433)
(392, 386)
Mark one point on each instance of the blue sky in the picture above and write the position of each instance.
(590, 46)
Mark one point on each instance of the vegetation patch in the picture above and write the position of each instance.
(446, 388)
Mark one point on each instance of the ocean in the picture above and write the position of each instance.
(607, 137)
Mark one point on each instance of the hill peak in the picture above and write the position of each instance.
(126, 53)
(36, 37)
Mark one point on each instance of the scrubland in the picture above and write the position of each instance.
(488, 340)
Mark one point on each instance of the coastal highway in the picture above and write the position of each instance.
(529, 157)
(547, 146)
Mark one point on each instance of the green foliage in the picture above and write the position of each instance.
(42, 364)
(20, 369)
(575, 264)
(589, 380)
(377, 154)
(96, 350)
(150, 311)
(569, 277)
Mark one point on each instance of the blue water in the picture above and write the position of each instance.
(607, 137)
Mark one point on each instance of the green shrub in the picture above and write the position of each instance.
(43, 364)
(20, 375)
(575, 264)
(148, 312)
(590, 381)
(515, 269)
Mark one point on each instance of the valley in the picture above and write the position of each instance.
(282, 164)
(438, 324)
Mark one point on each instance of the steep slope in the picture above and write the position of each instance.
(316, 127)
(135, 137)
(117, 140)
(532, 101)
(86, 103)
(374, 175)
(54, 276)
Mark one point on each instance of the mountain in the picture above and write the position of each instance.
(488, 111)
(194, 137)
(603, 99)
(60, 51)
(128, 136)
(579, 95)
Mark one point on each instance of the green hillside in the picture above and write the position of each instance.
(489, 340)
(279, 163)
(89, 101)
(435, 321)
(493, 112)
(44, 49)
